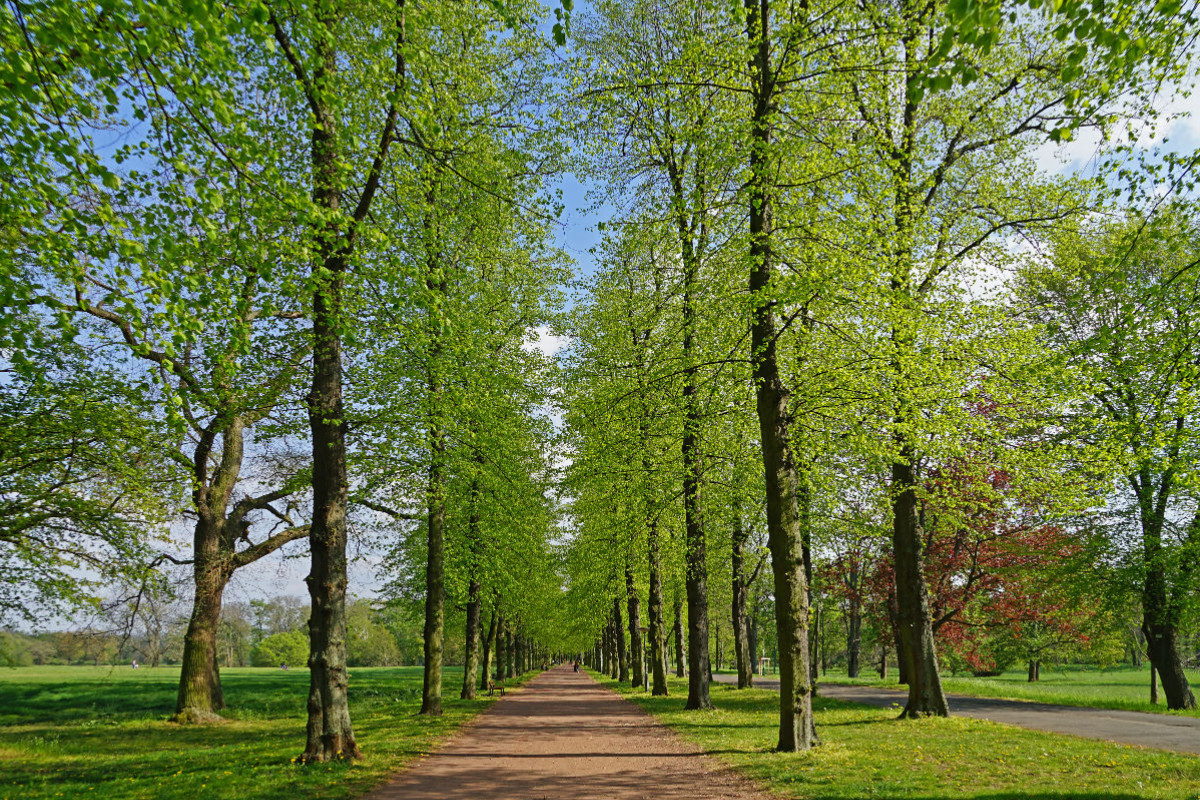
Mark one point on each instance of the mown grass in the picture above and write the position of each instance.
(84, 732)
(1118, 688)
(868, 753)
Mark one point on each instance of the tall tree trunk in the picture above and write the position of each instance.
(489, 649)
(471, 651)
(435, 580)
(925, 695)
(619, 638)
(678, 627)
(329, 733)
(471, 647)
(510, 656)
(918, 654)
(784, 526)
(695, 555)
(804, 504)
(657, 623)
(741, 634)
(636, 655)
(501, 649)
(853, 637)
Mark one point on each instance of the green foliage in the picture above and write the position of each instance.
(289, 647)
(369, 643)
(84, 487)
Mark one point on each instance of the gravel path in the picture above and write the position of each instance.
(564, 736)
(1162, 731)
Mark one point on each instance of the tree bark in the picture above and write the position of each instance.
(510, 656)
(925, 695)
(853, 638)
(471, 651)
(435, 579)
(636, 655)
(695, 555)
(485, 671)
(741, 634)
(622, 657)
(1160, 614)
(658, 632)
(199, 696)
(329, 733)
(784, 526)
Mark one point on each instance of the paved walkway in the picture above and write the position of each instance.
(1162, 731)
(564, 736)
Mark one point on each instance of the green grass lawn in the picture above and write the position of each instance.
(1119, 687)
(868, 753)
(80, 732)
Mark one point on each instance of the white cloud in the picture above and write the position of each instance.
(546, 343)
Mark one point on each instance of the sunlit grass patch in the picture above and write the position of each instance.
(1118, 688)
(867, 753)
(71, 732)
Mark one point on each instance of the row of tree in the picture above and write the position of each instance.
(842, 312)
(276, 269)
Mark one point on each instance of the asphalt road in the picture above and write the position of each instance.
(1162, 731)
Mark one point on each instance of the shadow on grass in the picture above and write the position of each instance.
(118, 696)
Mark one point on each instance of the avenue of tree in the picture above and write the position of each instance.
(849, 361)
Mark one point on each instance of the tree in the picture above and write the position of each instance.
(289, 647)
(1118, 302)
(83, 486)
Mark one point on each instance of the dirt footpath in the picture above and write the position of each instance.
(563, 736)
(1163, 731)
